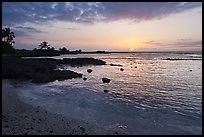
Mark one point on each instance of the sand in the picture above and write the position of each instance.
(19, 118)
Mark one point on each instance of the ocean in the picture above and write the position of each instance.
(153, 95)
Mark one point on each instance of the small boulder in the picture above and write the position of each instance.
(106, 91)
(89, 70)
(190, 70)
(84, 79)
(105, 80)
(135, 66)
(121, 69)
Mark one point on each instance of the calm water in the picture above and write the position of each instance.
(157, 97)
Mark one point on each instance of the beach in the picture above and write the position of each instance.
(19, 118)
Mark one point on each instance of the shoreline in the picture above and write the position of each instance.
(19, 118)
(43, 70)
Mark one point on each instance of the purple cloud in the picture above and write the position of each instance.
(182, 43)
(188, 43)
(23, 31)
(89, 12)
(72, 28)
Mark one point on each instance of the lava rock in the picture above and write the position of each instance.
(116, 65)
(84, 79)
(105, 80)
(89, 70)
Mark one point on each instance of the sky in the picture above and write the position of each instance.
(109, 26)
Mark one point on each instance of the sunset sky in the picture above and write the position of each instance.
(110, 26)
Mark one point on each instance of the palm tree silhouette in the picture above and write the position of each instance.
(44, 45)
(8, 36)
(7, 41)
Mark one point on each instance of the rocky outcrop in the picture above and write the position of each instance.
(81, 61)
(116, 65)
(36, 70)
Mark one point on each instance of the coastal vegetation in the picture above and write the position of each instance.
(7, 41)
(44, 48)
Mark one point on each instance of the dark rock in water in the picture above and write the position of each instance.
(89, 70)
(121, 69)
(106, 91)
(84, 78)
(116, 65)
(105, 80)
(81, 61)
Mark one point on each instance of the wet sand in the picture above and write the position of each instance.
(19, 118)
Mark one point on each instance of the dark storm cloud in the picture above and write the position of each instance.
(88, 13)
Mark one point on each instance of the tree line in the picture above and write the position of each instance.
(8, 42)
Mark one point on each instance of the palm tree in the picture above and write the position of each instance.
(7, 41)
(44, 45)
(8, 36)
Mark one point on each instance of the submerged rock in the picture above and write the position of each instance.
(105, 80)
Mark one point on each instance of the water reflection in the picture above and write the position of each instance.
(157, 94)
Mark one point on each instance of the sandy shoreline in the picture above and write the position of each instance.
(19, 118)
